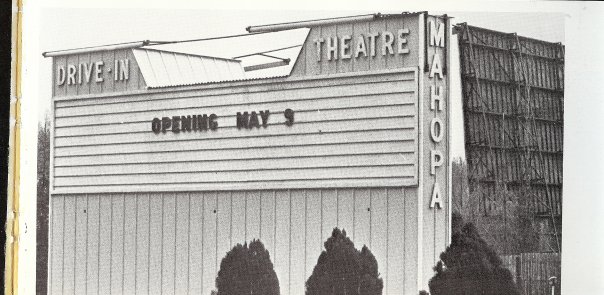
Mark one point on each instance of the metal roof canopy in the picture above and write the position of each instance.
(164, 68)
(108, 47)
(251, 50)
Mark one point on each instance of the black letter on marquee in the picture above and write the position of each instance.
(289, 115)
(194, 122)
(202, 122)
(185, 123)
(156, 125)
(264, 115)
(175, 124)
(254, 122)
(165, 124)
(212, 122)
(242, 120)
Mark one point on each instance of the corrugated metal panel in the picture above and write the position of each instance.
(246, 46)
(164, 68)
(175, 242)
(349, 131)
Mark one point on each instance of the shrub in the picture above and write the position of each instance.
(247, 270)
(342, 269)
(470, 266)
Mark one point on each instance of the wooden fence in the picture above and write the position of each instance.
(531, 271)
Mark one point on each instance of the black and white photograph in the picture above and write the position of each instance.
(235, 151)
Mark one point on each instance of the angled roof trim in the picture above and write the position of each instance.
(109, 47)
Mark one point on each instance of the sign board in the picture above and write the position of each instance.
(95, 73)
(356, 137)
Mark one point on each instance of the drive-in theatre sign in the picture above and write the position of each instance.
(162, 161)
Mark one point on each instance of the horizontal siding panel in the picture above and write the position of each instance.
(234, 185)
(307, 115)
(240, 176)
(263, 85)
(234, 133)
(342, 149)
(312, 104)
(310, 92)
(238, 143)
(238, 165)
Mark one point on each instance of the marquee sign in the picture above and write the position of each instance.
(355, 137)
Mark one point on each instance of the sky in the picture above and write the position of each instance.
(53, 27)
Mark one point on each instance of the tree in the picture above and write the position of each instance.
(501, 213)
(42, 205)
(247, 270)
(342, 269)
(470, 266)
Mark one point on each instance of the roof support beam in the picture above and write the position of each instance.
(267, 65)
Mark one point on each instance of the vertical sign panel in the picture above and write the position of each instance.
(92, 251)
(195, 244)
(298, 236)
(282, 257)
(80, 241)
(105, 240)
(209, 243)
(314, 243)
(56, 253)
(130, 224)
(434, 132)
(395, 261)
(142, 244)
(117, 244)
(267, 223)
(223, 238)
(182, 243)
(155, 241)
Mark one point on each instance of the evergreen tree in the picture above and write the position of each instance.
(470, 266)
(342, 269)
(247, 270)
(43, 199)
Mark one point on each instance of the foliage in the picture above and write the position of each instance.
(502, 215)
(342, 269)
(247, 270)
(470, 266)
(43, 198)
(43, 164)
